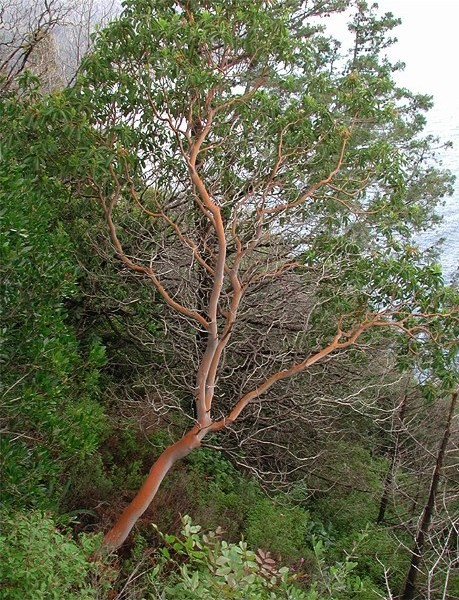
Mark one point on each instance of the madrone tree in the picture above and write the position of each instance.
(231, 144)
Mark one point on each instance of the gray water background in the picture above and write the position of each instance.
(428, 44)
(443, 121)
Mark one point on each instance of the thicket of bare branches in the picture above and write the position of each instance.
(48, 37)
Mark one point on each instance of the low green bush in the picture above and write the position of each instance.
(40, 561)
(277, 528)
(222, 496)
(205, 567)
(197, 566)
(380, 552)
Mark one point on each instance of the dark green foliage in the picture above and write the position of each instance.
(120, 464)
(237, 504)
(281, 529)
(50, 378)
(222, 495)
(380, 550)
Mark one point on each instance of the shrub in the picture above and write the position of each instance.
(221, 495)
(50, 385)
(379, 550)
(207, 568)
(41, 562)
(279, 529)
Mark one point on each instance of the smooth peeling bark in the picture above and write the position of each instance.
(123, 526)
(191, 440)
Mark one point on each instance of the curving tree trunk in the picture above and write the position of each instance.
(123, 526)
(192, 439)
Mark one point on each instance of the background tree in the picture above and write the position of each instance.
(428, 511)
(48, 37)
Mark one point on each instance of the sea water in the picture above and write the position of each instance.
(443, 121)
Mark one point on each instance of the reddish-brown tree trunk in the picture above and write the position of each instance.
(205, 387)
(416, 556)
(123, 526)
